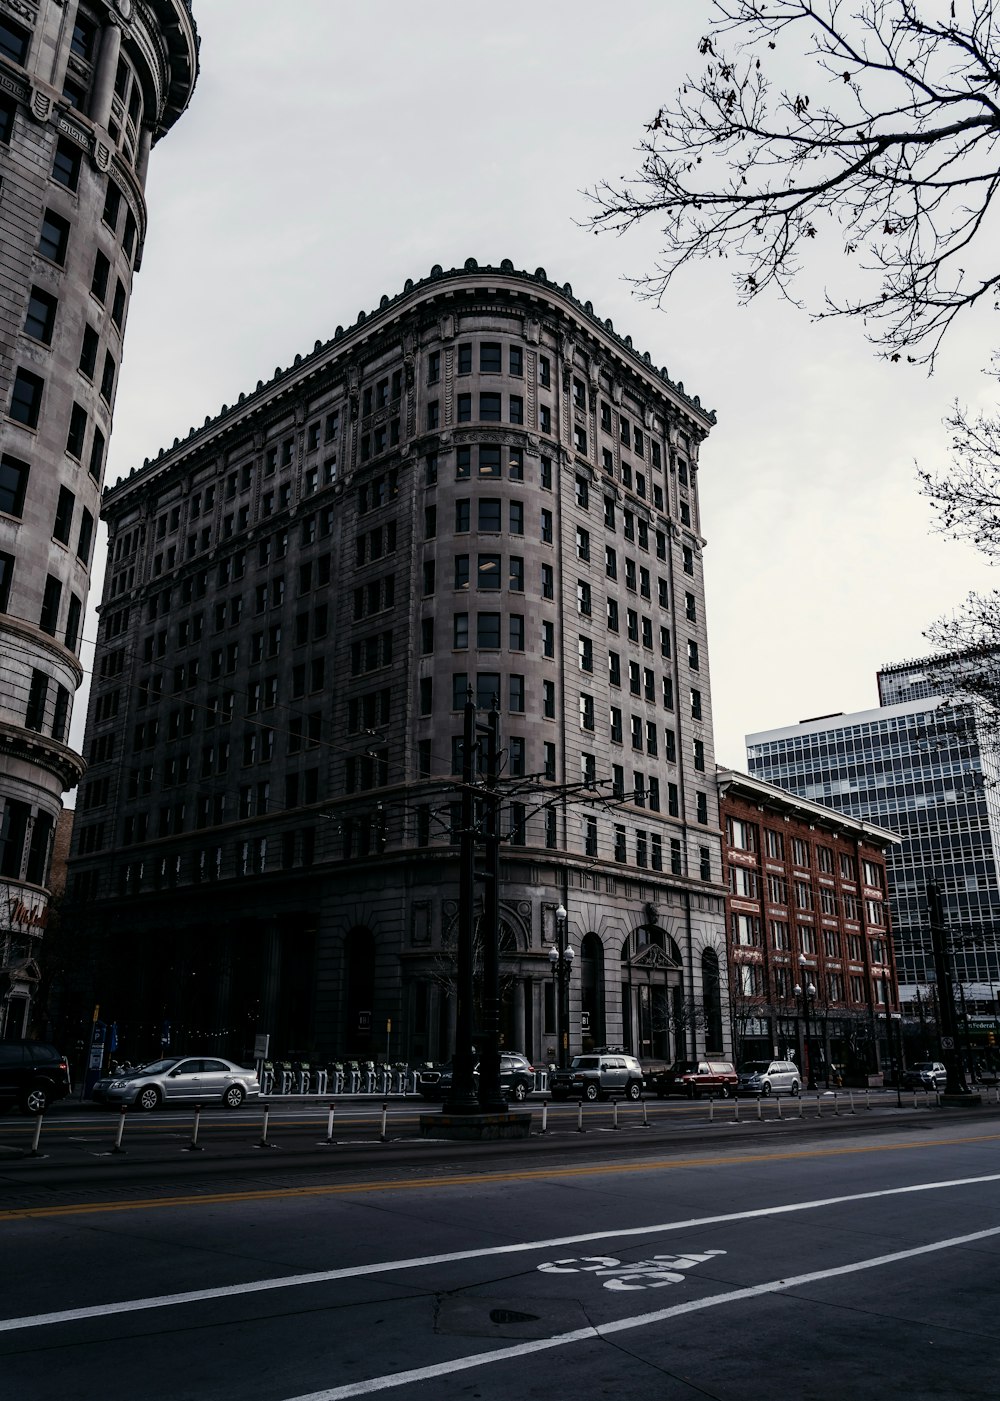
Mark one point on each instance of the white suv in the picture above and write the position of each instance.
(767, 1077)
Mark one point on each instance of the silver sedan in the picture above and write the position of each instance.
(180, 1080)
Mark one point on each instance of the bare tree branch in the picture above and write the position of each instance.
(896, 147)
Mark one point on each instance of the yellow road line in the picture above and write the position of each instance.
(479, 1179)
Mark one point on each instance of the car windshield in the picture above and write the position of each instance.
(585, 1062)
(684, 1067)
(754, 1067)
(157, 1067)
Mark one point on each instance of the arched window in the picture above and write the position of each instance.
(592, 990)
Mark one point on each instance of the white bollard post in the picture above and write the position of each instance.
(121, 1129)
(711, 1109)
(836, 1105)
(801, 1098)
(760, 1108)
(736, 1111)
(263, 1132)
(193, 1146)
(614, 1108)
(383, 1136)
(645, 1116)
(329, 1124)
(819, 1107)
(545, 1116)
(37, 1135)
(777, 1105)
(851, 1093)
(579, 1117)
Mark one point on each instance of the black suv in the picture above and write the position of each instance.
(32, 1074)
(517, 1078)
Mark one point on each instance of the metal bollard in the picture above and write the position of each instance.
(614, 1109)
(777, 1105)
(121, 1129)
(329, 1124)
(645, 1116)
(760, 1108)
(736, 1111)
(383, 1135)
(819, 1107)
(711, 1109)
(801, 1097)
(579, 1117)
(263, 1132)
(194, 1146)
(851, 1095)
(545, 1117)
(37, 1135)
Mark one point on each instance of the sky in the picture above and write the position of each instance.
(333, 150)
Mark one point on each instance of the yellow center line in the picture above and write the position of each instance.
(478, 1179)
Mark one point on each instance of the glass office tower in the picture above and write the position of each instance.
(920, 766)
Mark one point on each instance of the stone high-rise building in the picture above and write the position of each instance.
(480, 484)
(85, 90)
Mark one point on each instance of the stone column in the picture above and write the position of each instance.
(142, 154)
(104, 75)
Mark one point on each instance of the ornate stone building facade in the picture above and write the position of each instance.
(479, 485)
(85, 90)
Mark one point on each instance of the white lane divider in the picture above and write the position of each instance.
(261, 1286)
(600, 1331)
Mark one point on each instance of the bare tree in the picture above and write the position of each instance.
(889, 142)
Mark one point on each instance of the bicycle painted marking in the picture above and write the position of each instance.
(643, 1274)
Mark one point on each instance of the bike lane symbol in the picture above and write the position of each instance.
(661, 1270)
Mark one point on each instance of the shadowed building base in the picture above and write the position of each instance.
(961, 1101)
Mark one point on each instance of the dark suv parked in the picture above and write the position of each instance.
(32, 1074)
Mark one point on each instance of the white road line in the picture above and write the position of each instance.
(260, 1286)
(625, 1325)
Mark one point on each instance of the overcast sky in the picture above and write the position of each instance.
(332, 150)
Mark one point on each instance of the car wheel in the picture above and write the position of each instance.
(634, 1090)
(765, 1089)
(591, 1091)
(148, 1098)
(36, 1100)
(234, 1096)
(795, 1089)
(520, 1092)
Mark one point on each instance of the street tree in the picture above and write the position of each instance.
(885, 140)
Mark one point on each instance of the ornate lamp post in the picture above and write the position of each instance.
(807, 991)
(561, 962)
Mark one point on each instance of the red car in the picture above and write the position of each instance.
(697, 1077)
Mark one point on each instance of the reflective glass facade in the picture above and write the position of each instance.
(916, 767)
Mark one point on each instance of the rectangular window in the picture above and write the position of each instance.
(26, 398)
(77, 431)
(66, 164)
(54, 237)
(13, 485)
(41, 315)
(49, 618)
(108, 378)
(99, 281)
(64, 516)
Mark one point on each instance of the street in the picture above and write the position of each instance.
(811, 1258)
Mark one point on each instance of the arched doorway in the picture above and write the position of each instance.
(653, 1022)
(711, 998)
(592, 1021)
(359, 992)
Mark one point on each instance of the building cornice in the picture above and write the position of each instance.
(530, 289)
(766, 795)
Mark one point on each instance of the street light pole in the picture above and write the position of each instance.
(806, 991)
(561, 962)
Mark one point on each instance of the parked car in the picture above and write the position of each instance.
(32, 1074)
(694, 1078)
(517, 1078)
(925, 1075)
(597, 1076)
(179, 1080)
(767, 1077)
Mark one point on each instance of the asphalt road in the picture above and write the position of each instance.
(808, 1258)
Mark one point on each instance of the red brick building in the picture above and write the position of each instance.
(812, 975)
